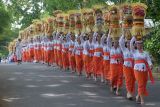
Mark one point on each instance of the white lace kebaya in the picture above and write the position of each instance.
(140, 56)
(113, 51)
(126, 53)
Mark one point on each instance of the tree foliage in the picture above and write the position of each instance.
(4, 18)
(152, 44)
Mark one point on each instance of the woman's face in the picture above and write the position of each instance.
(31, 40)
(90, 37)
(86, 38)
(99, 14)
(64, 39)
(139, 46)
(128, 44)
(79, 40)
(105, 40)
(73, 37)
(99, 38)
(115, 44)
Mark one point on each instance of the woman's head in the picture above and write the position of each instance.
(19, 40)
(78, 40)
(64, 38)
(115, 43)
(72, 36)
(99, 37)
(98, 13)
(31, 40)
(85, 37)
(105, 41)
(139, 45)
(90, 36)
(127, 44)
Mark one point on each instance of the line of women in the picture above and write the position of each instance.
(98, 56)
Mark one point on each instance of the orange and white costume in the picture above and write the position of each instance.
(45, 51)
(78, 52)
(55, 49)
(128, 66)
(88, 50)
(106, 59)
(42, 51)
(97, 58)
(116, 65)
(49, 52)
(65, 56)
(31, 52)
(72, 61)
(142, 62)
(59, 51)
(39, 52)
(23, 54)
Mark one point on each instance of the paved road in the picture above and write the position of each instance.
(34, 85)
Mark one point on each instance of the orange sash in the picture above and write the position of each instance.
(106, 53)
(81, 50)
(71, 47)
(130, 59)
(98, 50)
(116, 56)
(64, 49)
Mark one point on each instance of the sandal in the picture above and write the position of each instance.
(138, 100)
(142, 102)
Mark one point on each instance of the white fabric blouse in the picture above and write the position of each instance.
(137, 55)
(78, 49)
(126, 52)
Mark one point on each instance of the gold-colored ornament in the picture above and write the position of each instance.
(139, 13)
(114, 18)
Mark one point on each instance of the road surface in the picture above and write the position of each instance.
(35, 85)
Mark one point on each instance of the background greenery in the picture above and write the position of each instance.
(22, 12)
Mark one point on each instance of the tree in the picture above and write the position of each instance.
(65, 5)
(24, 11)
(4, 26)
(4, 18)
(152, 44)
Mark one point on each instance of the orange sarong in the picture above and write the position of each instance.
(141, 78)
(59, 58)
(55, 56)
(39, 55)
(86, 60)
(97, 65)
(49, 56)
(106, 70)
(31, 54)
(116, 75)
(106, 66)
(65, 59)
(117, 71)
(129, 79)
(72, 61)
(42, 50)
(27, 56)
(45, 55)
(79, 63)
